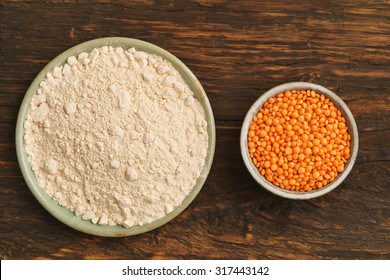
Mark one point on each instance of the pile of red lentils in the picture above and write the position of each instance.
(299, 140)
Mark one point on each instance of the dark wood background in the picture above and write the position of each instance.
(238, 50)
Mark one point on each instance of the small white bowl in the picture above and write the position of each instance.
(352, 129)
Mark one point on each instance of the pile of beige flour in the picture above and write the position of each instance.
(116, 136)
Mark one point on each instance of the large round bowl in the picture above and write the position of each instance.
(352, 129)
(65, 215)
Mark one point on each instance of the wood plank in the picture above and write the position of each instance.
(238, 50)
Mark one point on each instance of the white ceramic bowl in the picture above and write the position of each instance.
(352, 129)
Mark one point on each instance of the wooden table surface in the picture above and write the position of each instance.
(238, 50)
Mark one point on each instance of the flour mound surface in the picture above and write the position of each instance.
(116, 136)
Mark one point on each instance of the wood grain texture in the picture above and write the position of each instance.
(238, 50)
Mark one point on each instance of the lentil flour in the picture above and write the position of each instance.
(116, 136)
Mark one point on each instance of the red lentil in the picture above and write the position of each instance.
(299, 140)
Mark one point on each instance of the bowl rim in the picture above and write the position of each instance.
(339, 103)
(65, 215)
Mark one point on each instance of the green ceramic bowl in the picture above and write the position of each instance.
(65, 215)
